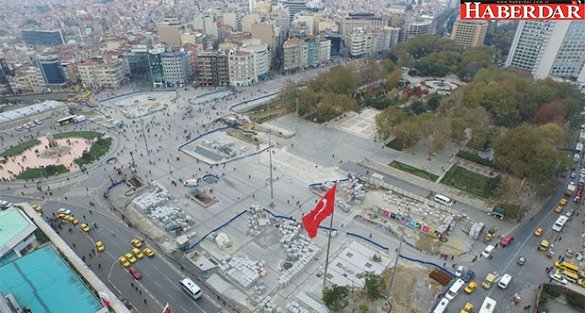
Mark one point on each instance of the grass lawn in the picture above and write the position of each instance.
(471, 182)
(20, 148)
(395, 144)
(98, 149)
(413, 170)
(39, 172)
(78, 134)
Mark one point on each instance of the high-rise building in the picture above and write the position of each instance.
(105, 73)
(368, 42)
(231, 19)
(52, 71)
(177, 68)
(324, 50)
(169, 31)
(418, 26)
(194, 52)
(261, 59)
(336, 42)
(266, 33)
(5, 74)
(138, 65)
(208, 75)
(469, 33)
(549, 48)
(252, 6)
(294, 7)
(223, 68)
(293, 54)
(242, 69)
(43, 37)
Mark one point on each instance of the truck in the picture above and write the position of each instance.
(489, 280)
(79, 118)
(570, 189)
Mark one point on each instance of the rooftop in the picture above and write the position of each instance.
(12, 223)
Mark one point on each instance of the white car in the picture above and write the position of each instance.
(38, 122)
(558, 277)
(65, 211)
(459, 271)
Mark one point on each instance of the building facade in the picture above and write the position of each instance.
(419, 26)
(177, 68)
(43, 37)
(549, 48)
(469, 33)
(52, 71)
(17, 231)
(293, 54)
(359, 20)
(155, 65)
(242, 69)
(261, 59)
(169, 31)
(138, 65)
(103, 74)
(368, 42)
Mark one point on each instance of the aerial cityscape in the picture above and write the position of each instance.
(289, 156)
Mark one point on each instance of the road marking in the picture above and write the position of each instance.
(153, 265)
(184, 308)
(156, 283)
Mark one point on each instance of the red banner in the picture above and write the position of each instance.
(524, 11)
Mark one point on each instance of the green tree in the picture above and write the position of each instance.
(373, 285)
(371, 71)
(335, 297)
(418, 107)
(393, 79)
(433, 101)
(437, 131)
(388, 119)
(363, 308)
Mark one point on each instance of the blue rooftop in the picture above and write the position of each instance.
(44, 283)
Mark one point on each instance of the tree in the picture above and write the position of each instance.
(335, 297)
(373, 285)
(371, 71)
(433, 101)
(437, 131)
(508, 189)
(388, 119)
(363, 308)
(550, 111)
(418, 107)
(393, 79)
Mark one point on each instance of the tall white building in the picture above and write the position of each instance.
(550, 48)
(367, 42)
(177, 68)
(242, 68)
(261, 59)
(105, 73)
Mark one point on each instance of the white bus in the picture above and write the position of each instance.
(442, 306)
(443, 200)
(191, 288)
(488, 306)
(66, 120)
(560, 223)
(454, 289)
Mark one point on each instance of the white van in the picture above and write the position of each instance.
(443, 200)
(487, 252)
(442, 306)
(504, 281)
(454, 289)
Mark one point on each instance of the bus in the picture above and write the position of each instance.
(560, 223)
(567, 266)
(66, 120)
(190, 288)
(454, 289)
(488, 305)
(443, 200)
(571, 276)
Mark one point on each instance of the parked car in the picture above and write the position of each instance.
(556, 275)
(459, 271)
(469, 275)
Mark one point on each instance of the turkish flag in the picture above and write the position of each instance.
(323, 209)
(105, 299)
(167, 309)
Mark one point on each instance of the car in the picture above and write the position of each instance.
(62, 216)
(573, 174)
(85, 228)
(506, 241)
(123, 261)
(31, 124)
(521, 261)
(467, 308)
(38, 122)
(137, 253)
(19, 128)
(570, 213)
(469, 276)
(130, 258)
(538, 231)
(459, 271)
(37, 208)
(563, 202)
(74, 221)
(581, 282)
(583, 171)
(471, 287)
(559, 209)
(69, 218)
(558, 276)
(65, 211)
(134, 272)
(136, 243)
(99, 246)
(148, 252)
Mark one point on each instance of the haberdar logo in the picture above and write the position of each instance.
(522, 10)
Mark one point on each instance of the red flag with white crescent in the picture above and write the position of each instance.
(105, 299)
(167, 309)
(322, 210)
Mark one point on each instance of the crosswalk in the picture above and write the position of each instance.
(81, 192)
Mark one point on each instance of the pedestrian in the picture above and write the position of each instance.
(99, 265)
(452, 257)
(370, 235)
(444, 264)
(145, 301)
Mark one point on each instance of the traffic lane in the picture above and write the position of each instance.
(131, 289)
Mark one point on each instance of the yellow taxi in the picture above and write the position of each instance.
(99, 246)
(563, 202)
(581, 282)
(538, 231)
(123, 261)
(85, 228)
(74, 221)
(148, 251)
(62, 216)
(69, 218)
(137, 253)
(467, 308)
(130, 258)
(37, 208)
(471, 287)
(136, 243)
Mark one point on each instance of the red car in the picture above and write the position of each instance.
(506, 241)
(135, 273)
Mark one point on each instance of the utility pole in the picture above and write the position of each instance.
(271, 181)
(389, 301)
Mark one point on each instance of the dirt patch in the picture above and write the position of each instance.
(453, 246)
(248, 138)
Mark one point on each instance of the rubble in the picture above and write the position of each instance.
(298, 249)
(244, 272)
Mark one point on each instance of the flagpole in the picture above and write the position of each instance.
(328, 245)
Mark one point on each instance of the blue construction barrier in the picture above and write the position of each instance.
(114, 184)
(252, 100)
(112, 159)
(427, 263)
(217, 228)
(138, 91)
(333, 180)
(368, 240)
(279, 216)
(211, 92)
(201, 135)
